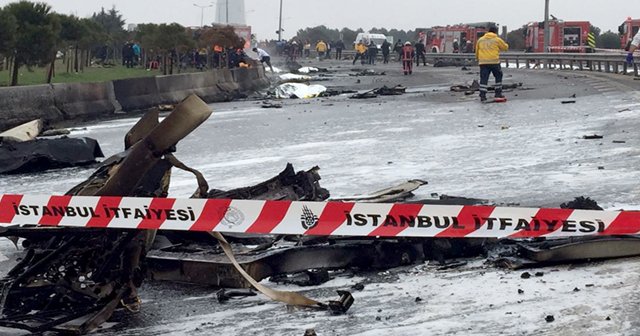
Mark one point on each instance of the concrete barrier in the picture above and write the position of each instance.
(137, 94)
(25, 103)
(84, 101)
(173, 89)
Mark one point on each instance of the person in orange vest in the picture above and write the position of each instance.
(217, 56)
(408, 53)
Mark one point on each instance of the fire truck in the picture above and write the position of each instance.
(628, 29)
(565, 36)
(442, 39)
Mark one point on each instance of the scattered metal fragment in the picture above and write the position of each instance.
(391, 91)
(55, 132)
(44, 154)
(268, 104)
(25, 132)
(568, 102)
(398, 193)
(224, 295)
(592, 137)
(365, 95)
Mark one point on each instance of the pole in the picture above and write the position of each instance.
(202, 7)
(280, 25)
(226, 7)
(546, 26)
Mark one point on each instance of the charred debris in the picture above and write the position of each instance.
(72, 280)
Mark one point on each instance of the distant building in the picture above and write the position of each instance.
(230, 12)
(132, 27)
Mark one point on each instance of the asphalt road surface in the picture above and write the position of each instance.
(529, 151)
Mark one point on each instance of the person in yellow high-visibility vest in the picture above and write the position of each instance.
(488, 50)
(321, 48)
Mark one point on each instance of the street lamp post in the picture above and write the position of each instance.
(546, 26)
(280, 24)
(202, 7)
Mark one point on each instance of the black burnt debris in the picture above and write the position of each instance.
(71, 280)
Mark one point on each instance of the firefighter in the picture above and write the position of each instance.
(488, 50)
(408, 53)
(361, 52)
(321, 48)
(633, 47)
(420, 53)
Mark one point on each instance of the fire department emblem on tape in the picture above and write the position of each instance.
(308, 219)
(232, 217)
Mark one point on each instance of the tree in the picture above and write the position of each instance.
(169, 39)
(221, 35)
(608, 40)
(8, 28)
(36, 35)
(516, 39)
(349, 36)
(315, 34)
(112, 25)
(72, 29)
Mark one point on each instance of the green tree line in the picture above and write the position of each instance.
(32, 35)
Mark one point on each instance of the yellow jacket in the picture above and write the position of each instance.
(321, 46)
(361, 48)
(489, 47)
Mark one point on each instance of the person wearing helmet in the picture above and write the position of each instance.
(408, 53)
(488, 50)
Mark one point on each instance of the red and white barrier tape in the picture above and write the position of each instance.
(312, 218)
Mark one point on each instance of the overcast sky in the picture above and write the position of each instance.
(262, 15)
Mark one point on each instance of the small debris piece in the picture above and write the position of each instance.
(576, 289)
(520, 291)
(342, 306)
(359, 286)
(549, 318)
(310, 332)
(539, 274)
(55, 132)
(268, 104)
(525, 275)
(608, 318)
(619, 142)
(601, 168)
(568, 102)
(378, 318)
(590, 285)
(418, 299)
(593, 137)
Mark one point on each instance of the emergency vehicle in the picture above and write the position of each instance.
(565, 36)
(441, 39)
(628, 29)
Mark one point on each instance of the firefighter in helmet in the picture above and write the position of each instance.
(408, 53)
(488, 50)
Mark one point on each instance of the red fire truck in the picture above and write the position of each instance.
(628, 29)
(565, 36)
(441, 39)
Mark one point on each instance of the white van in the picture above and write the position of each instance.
(378, 39)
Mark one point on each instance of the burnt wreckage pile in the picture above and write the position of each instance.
(73, 279)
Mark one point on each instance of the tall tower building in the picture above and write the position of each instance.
(231, 12)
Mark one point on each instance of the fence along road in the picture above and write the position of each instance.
(610, 62)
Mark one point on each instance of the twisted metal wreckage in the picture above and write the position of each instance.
(73, 279)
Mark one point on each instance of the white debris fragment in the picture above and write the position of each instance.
(297, 90)
(308, 70)
(293, 77)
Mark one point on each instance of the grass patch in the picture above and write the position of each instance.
(38, 75)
